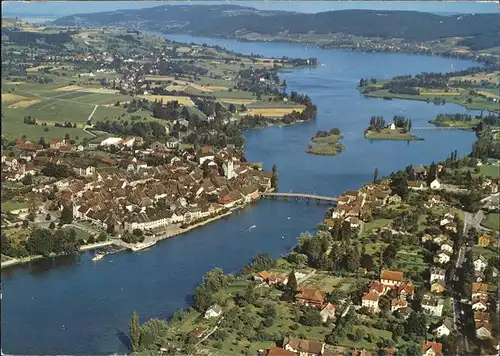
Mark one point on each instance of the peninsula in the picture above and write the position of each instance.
(474, 88)
(326, 143)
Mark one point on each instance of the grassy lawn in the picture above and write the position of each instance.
(388, 134)
(488, 252)
(460, 124)
(13, 129)
(13, 205)
(490, 170)
(375, 224)
(412, 262)
(376, 334)
(327, 283)
(492, 221)
(80, 234)
(478, 103)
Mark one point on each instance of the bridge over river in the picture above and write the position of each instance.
(297, 196)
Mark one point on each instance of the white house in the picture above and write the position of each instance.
(391, 278)
(480, 263)
(370, 301)
(444, 328)
(328, 312)
(392, 126)
(397, 304)
(213, 312)
(435, 184)
(172, 143)
(442, 257)
(87, 171)
(437, 274)
(479, 304)
(447, 246)
(483, 330)
(432, 305)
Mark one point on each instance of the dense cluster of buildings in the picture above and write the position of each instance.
(124, 193)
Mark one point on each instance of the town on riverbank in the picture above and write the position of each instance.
(153, 148)
(326, 297)
(406, 264)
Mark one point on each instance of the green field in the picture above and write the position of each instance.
(490, 170)
(388, 134)
(492, 221)
(488, 252)
(372, 226)
(13, 205)
(478, 103)
(411, 261)
(13, 128)
(460, 124)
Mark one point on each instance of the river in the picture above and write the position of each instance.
(82, 307)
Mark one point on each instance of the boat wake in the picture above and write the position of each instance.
(250, 228)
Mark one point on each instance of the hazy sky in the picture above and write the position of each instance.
(61, 8)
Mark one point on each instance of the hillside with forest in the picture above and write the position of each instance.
(236, 21)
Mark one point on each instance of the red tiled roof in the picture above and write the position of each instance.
(376, 286)
(278, 351)
(399, 303)
(330, 307)
(435, 346)
(370, 296)
(483, 287)
(311, 295)
(483, 323)
(391, 275)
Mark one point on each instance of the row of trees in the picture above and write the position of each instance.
(42, 242)
(324, 133)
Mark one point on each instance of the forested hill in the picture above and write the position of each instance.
(232, 20)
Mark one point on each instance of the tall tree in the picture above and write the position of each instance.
(134, 332)
(431, 175)
(274, 178)
(66, 215)
(291, 287)
(399, 184)
(375, 175)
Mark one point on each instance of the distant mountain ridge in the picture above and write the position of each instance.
(233, 20)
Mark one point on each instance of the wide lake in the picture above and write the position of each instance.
(76, 306)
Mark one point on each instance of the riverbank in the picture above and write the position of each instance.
(17, 261)
(461, 97)
(458, 124)
(388, 134)
(173, 231)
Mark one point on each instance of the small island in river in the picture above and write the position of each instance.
(326, 143)
(399, 129)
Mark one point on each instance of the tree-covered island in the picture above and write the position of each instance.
(399, 129)
(326, 143)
